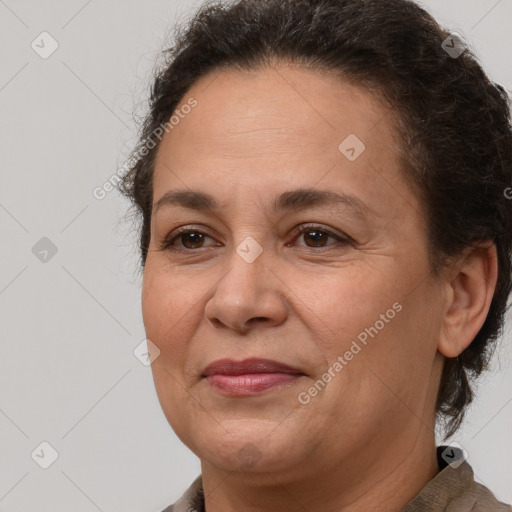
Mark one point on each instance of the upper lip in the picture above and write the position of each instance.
(253, 365)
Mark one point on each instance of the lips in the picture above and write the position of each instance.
(249, 377)
(247, 366)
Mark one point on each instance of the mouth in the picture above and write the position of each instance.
(249, 377)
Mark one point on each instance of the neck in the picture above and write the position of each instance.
(385, 480)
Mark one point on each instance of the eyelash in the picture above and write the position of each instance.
(168, 242)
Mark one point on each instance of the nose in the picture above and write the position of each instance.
(247, 295)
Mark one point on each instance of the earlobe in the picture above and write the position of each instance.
(468, 298)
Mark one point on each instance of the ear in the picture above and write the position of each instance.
(469, 292)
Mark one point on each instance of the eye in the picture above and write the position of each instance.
(318, 236)
(190, 239)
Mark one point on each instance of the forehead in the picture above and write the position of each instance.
(286, 99)
(266, 129)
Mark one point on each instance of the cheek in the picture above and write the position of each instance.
(164, 303)
(163, 313)
(171, 315)
(162, 310)
(353, 306)
(386, 338)
(399, 354)
(154, 305)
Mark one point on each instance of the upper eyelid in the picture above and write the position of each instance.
(299, 228)
(308, 225)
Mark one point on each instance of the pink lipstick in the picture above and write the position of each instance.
(250, 376)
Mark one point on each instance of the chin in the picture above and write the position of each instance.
(245, 450)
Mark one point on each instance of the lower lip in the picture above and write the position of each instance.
(250, 384)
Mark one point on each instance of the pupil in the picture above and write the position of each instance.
(317, 236)
(197, 237)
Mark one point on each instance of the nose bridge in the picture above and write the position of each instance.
(252, 243)
(250, 227)
(247, 267)
(250, 250)
(248, 290)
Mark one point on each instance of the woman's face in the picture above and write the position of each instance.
(359, 319)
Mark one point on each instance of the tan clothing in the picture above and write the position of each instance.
(453, 489)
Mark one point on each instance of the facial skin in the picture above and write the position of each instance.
(366, 440)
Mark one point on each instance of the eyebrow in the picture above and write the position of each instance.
(287, 201)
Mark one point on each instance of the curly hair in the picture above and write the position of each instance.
(452, 125)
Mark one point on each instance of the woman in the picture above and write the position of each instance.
(326, 243)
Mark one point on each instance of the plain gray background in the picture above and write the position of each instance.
(70, 323)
